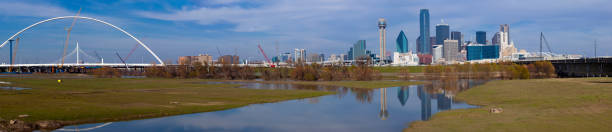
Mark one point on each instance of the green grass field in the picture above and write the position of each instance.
(105, 99)
(581, 104)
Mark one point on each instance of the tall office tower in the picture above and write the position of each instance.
(442, 33)
(382, 24)
(359, 50)
(402, 43)
(350, 54)
(506, 45)
(505, 28)
(450, 50)
(432, 41)
(481, 37)
(299, 55)
(418, 45)
(496, 39)
(456, 35)
(424, 48)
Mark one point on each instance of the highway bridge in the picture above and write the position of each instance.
(584, 67)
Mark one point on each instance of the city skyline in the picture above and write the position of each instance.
(240, 25)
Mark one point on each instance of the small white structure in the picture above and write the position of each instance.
(405, 59)
(336, 58)
(438, 52)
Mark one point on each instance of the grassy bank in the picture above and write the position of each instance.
(105, 99)
(583, 104)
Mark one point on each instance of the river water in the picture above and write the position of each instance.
(384, 109)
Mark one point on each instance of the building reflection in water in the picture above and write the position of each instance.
(425, 102)
(383, 104)
(403, 94)
(442, 91)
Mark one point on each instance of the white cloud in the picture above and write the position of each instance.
(27, 9)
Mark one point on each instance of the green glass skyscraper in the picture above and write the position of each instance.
(402, 43)
(424, 47)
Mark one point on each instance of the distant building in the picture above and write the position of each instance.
(496, 40)
(202, 59)
(349, 54)
(456, 35)
(336, 58)
(401, 43)
(299, 55)
(450, 50)
(405, 59)
(275, 59)
(481, 37)
(424, 58)
(321, 57)
(229, 59)
(437, 52)
(284, 57)
(432, 41)
(481, 51)
(506, 45)
(442, 33)
(359, 50)
(424, 47)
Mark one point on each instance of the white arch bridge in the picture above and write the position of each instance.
(82, 64)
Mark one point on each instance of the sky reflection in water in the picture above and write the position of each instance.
(388, 109)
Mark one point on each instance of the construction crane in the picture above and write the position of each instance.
(132, 51)
(68, 36)
(123, 61)
(265, 56)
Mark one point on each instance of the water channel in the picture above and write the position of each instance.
(384, 109)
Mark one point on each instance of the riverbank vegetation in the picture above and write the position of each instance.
(574, 104)
(504, 70)
(316, 72)
(299, 72)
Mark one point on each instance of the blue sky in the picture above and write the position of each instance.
(188, 27)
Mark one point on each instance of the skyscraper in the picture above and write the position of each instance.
(456, 35)
(442, 33)
(402, 43)
(424, 48)
(359, 50)
(481, 37)
(450, 50)
(382, 24)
